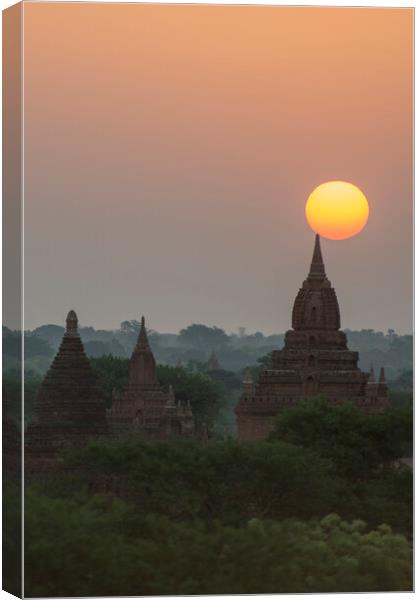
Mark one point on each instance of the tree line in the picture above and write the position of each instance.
(195, 343)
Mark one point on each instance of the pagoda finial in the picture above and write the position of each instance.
(71, 322)
(382, 376)
(372, 375)
(317, 264)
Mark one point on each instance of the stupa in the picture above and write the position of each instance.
(144, 407)
(213, 362)
(315, 361)
(69, 408)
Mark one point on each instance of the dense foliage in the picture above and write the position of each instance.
(12, 535)
(357, 443)
(98, 547)
(139, 517)
(12, 390)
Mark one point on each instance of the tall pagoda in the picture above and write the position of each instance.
(144, 406)
(69, 408)
(315, 360)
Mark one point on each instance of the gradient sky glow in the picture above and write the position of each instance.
(170, 151)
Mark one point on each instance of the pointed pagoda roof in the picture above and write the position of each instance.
(372, 375)
(143, 340)
(70, 395)
(317, 269)
(316, 305)
(142, 371)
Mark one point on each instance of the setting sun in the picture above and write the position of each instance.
(337, 210)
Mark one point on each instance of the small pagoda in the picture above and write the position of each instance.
(213, 362)
(143, 406)
(315, 361)
(70, 407)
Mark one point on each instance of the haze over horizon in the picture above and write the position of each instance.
(170, 150)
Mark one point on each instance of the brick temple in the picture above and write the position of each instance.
(69, 408)
(315, 360)
(144, 406)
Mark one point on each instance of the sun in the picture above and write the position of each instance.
(337, 210)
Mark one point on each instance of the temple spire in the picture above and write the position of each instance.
(142, 370)
(372, 375)
(317, 265)
(143, 341)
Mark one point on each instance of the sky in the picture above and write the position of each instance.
(170, 150)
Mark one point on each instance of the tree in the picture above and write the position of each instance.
(95, 348)
(229, 481)
(265, 361)
(12, 388)
(97, 547)
(12, 536)
(204, 394)
(130, 327)
(53, 334)
(358, 443)
(404, 381)
(204, 338)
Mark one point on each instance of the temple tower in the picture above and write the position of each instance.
(69, 408)
(143, 406)
(315, 360)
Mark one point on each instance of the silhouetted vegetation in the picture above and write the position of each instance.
(359, 444)
(181, 516)
(107, 548)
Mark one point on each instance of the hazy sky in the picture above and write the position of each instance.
(170, 150)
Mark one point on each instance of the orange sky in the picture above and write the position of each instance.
(170, 150)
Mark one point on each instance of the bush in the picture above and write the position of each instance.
(229, 480)
(100, 548)
(359, 444)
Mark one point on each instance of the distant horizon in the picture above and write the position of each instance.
(227, 331)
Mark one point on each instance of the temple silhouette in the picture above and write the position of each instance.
(69, 408)
(143, 406)
(315, 360)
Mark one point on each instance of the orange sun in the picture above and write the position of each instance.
(337, 210)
